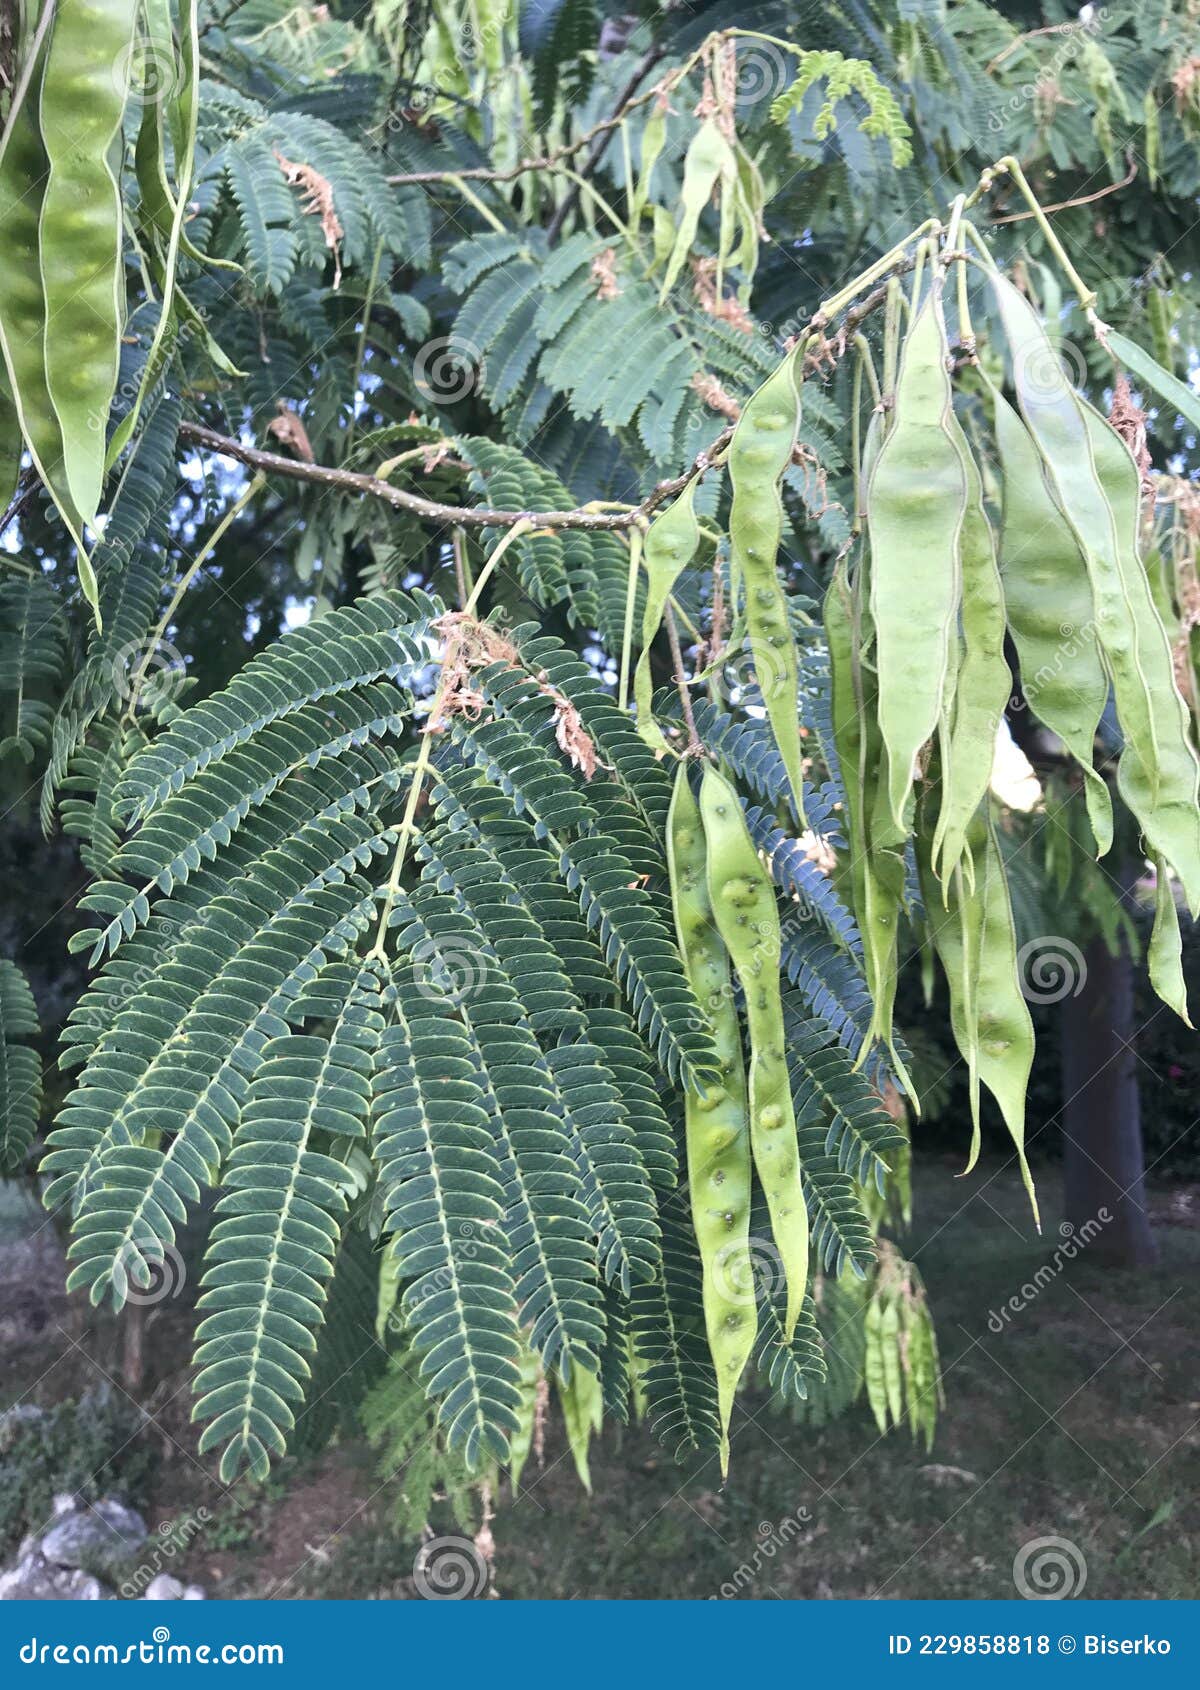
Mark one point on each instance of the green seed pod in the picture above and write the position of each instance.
(1048, 599)
(1097, 486)
(83, 100)
(759, 453)
(755, 948)
(670, 546)
(716, 1121)
(983, 682)
(916, 502)
(23, 167)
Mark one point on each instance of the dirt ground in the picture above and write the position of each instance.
(1075, 1417)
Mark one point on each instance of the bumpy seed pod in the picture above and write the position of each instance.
(83, 100)
(759, 453)
(717, 1119)
(743, 903)
(670, 546)
(916, 501)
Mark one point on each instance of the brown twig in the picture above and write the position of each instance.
(593, 521)
(603, 135)
(695, 747)
(1069, 205)
(351, 481)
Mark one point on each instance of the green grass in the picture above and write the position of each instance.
(1077, 1420)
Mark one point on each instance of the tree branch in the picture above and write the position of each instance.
(603, 135)
(479, 516)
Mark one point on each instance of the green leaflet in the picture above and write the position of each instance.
(1140, 364)
(20, 1068)
(670, 545)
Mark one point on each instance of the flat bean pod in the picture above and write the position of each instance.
(983, 682)
(717, 1120)
(83, 101)
(976, 941)
(916, 501)
(1096, 484)
(1048, 599)
(743, 904)
(23, 166)
(759, 453)
(670, 545)
(1164, 955)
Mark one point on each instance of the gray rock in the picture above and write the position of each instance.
(162, 1588)
(34, 1579)
(100, 1535)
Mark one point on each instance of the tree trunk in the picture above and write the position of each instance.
(1103, 1160)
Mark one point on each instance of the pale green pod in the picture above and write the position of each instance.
(670, 545)
(1048, 600)
(716, 1121)
(743, 903)
(759, 453)
(983, 682)
(1097, 485)
(916, 501)
(83, 100)
(1164, 954)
